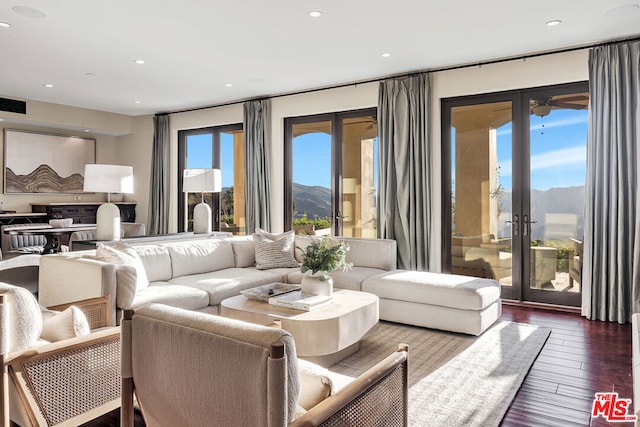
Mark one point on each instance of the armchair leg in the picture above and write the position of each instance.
(4, 395)
(126, 411)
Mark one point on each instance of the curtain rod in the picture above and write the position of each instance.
(413, 73)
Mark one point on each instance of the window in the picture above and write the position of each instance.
(219, 147)
(331, 173)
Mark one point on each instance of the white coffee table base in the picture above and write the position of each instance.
(325, 335)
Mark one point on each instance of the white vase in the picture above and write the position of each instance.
(317, 284)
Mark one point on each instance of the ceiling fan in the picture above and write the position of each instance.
(543, 106)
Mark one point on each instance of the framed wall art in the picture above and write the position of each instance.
(37, 162)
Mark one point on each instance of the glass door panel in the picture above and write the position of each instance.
(359, 176)
(312, 177)
(481, 189)
(558, 135)
(199, 149)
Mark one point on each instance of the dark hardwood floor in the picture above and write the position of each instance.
(580, 358)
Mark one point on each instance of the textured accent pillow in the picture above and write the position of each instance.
(274, 250)
(24, 319)
(61, 325)
(123, 254)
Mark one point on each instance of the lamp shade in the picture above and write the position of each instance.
(202, 181)
(108, 178)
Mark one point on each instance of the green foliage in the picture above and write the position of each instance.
(562, 252)
(325, 255)
(319, 223)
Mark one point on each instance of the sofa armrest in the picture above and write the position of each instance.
(66, 279)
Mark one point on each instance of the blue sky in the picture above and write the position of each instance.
(558, 150)
(199, 155)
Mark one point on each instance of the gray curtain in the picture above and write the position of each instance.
(158, 221)
(611, 268)
(405, 196)
(257, 139)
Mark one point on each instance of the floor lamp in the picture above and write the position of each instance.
(202, 181)
(108, 179)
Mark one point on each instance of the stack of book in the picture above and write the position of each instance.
(300, 301)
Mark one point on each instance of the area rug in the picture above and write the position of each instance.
(455, 379)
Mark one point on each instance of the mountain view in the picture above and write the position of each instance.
(314, 201)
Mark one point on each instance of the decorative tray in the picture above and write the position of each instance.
(264, 292)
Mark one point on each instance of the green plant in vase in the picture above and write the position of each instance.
(322, 257)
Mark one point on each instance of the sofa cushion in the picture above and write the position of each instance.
(274, 251)
(374, 253)
(351, 279)
(447, 290)
(123, 254)
(315, 384)
(244, 251)
(25, 320)
(156, 261)
(171, 294)
(226, 283)
(200, 257)
(61, 325)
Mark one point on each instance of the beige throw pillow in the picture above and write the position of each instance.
(123, 254)
(274, 250)
(69, 323)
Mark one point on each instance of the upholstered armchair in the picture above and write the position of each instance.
(194, 369)
(55, 369)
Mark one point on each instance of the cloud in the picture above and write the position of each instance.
(550, 159)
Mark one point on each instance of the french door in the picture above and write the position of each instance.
(514, 167)
(331, 173)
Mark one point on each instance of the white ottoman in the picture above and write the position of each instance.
(441, 301)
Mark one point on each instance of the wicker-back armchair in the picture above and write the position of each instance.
(67, 382)
(193, 369)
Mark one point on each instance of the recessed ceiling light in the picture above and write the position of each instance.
(87, 130)
(386, 55)
(1, 120)
(623, 10)
(553, 23)
(139, 61)
(29, 12)
(315, 14)
(89, 74)
(229, 84)
(137, 102)
(5, 24)
(47, 85)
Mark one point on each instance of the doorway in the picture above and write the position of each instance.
(331, 173)
(514, 169)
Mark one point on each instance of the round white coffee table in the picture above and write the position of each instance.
(324, 335)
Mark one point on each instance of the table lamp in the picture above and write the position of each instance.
(202, 181)
(108, 179)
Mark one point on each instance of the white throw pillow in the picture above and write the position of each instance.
(62, 325)
(24, 319)
(274, 250)
(123, 254)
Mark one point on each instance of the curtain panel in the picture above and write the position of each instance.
(257, 136)
(158, 217)
(611, 268)
(405, 166)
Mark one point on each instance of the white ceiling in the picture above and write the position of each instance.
(193, 48)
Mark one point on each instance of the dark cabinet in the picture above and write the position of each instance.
(83, 213)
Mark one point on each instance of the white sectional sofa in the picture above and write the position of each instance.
(198, 274)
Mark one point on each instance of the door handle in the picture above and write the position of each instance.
(515, 225)
(527, 225)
